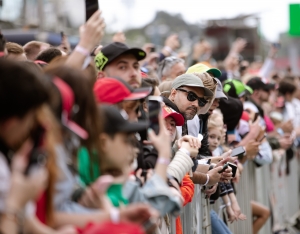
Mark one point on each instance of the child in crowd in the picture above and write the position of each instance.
(215, 138)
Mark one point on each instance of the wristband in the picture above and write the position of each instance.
(114, 215)
(207, 180)
(82, 50)
(163, 161)
(184, 150)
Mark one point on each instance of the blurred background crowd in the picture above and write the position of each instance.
(175, 126)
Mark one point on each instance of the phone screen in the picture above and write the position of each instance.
(154, 111)
(91, 6)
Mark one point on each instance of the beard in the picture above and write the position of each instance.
(190, 113)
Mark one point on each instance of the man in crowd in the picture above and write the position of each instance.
(201, 68)
(170, 68)
(187, 97)
(117, 60)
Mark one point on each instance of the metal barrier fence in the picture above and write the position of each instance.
(268, 185)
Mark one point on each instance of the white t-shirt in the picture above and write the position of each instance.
(193, 127)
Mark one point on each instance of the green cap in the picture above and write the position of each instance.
(236, 88)
(201, 68)
(190, 80)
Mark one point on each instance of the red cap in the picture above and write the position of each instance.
(67, 99)
(112, 91)
(245, 116)
(168, 112)
(109, 227)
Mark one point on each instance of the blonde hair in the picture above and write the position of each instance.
(215, 120)
(165, 88)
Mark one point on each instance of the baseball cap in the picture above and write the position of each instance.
(191, 81)
(67, 102)
(116, 121)
(219, 90)
(113, 50)
(168, 112)
(201, 68)
(113, 90)
(236, 88)
(257, 84)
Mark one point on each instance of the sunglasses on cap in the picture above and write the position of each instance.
(191, 96)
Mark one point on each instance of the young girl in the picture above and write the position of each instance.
(215, 138)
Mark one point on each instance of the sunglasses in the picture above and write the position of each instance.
(191, 96)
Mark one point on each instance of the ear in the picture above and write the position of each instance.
(172, 94)
(256, 92)
(101, 74)
(104, 142)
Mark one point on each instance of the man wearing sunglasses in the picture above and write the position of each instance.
(187, 95)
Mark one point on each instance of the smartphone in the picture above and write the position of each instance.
(91, 6)
(154, 110)
(233, 167)
(37, 155)
(238, 152)
(224, 168)
(62, 34)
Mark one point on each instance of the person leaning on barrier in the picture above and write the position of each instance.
(184, 98)
(203, 117)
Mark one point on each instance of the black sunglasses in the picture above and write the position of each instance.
(191, 96)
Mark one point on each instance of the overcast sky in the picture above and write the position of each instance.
(274, 14)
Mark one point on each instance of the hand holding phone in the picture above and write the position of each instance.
(224, 168)
(238, 152)
(233, 167)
